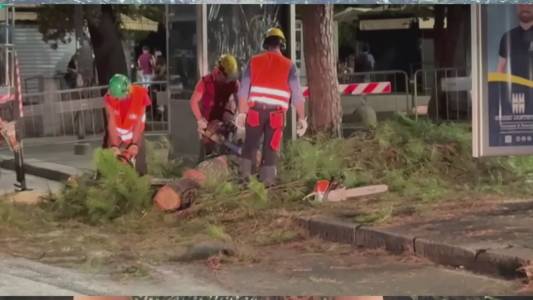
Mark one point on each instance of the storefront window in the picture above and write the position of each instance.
(182, 58)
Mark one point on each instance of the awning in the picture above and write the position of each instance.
(385, 24)
(138, 23)
(21, 16)
(355, 13)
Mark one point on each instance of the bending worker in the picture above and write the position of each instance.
(125, 105)
(268, 85)
(211, 95)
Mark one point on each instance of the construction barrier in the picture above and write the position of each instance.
(368, 88)
(450, 89)
(76, 114)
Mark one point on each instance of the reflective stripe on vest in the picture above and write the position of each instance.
(135, 113)
(125, 134)
(269, 96)
(270, 80)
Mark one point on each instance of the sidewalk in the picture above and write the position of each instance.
(497, 240)
(54, 158)
(58, 150)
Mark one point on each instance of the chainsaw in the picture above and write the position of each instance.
(127, 158)
(220, 133)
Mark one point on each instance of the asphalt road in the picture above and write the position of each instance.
(284, 272)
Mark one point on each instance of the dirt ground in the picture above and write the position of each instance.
(128, 243)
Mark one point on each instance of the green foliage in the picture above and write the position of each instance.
(218, 233)
(158, 162)
(259, 197)
(57, 24)
(420, 161)
(313, 159)
(118, 191)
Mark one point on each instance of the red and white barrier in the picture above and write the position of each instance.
(367, 88)
(18, 93)
(19, 87)
(6, 98)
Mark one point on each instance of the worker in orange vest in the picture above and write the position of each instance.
(268, 86)
(211, 95)
(125, 104)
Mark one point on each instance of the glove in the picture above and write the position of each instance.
(301, 127)
(239, 134)
(132, 151)
(115, 150)
(202, 126)
(240, 121)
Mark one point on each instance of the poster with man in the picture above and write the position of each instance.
(503, 79)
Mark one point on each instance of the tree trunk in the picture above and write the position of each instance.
(325, 110)
(107, 46)
(108, 52)
(449, 44)
(177, 195)
(180, 194)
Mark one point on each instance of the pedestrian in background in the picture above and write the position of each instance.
(146, 65)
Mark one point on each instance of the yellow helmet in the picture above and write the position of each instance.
(275, 32)
(227, 63)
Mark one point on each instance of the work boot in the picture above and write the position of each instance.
(268, 175)
(245, 170)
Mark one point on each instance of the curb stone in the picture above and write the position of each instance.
(445, 254)
(332, 230)
(480, 261)
(390, 241)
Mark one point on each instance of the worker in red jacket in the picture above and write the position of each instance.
(125, 104)
(211, 97)
(268, 86)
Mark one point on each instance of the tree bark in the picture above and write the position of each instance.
(325, 110)
(107, 46)
(108, 52)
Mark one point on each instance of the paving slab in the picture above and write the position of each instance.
(507, 229)
(37, 184)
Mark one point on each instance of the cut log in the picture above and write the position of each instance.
(181, 193)
(344, 194)
(215, 168)
(159, 182)
(177, 195)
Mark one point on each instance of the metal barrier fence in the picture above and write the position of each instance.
(399, 83)
(79, 112)
(449, 90)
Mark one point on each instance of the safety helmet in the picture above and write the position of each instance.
(277, 33)
(227, 63)
(119, 86)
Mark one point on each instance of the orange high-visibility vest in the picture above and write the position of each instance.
(269, 80)
(125, 122)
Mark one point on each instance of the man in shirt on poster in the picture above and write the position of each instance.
(516, 45)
